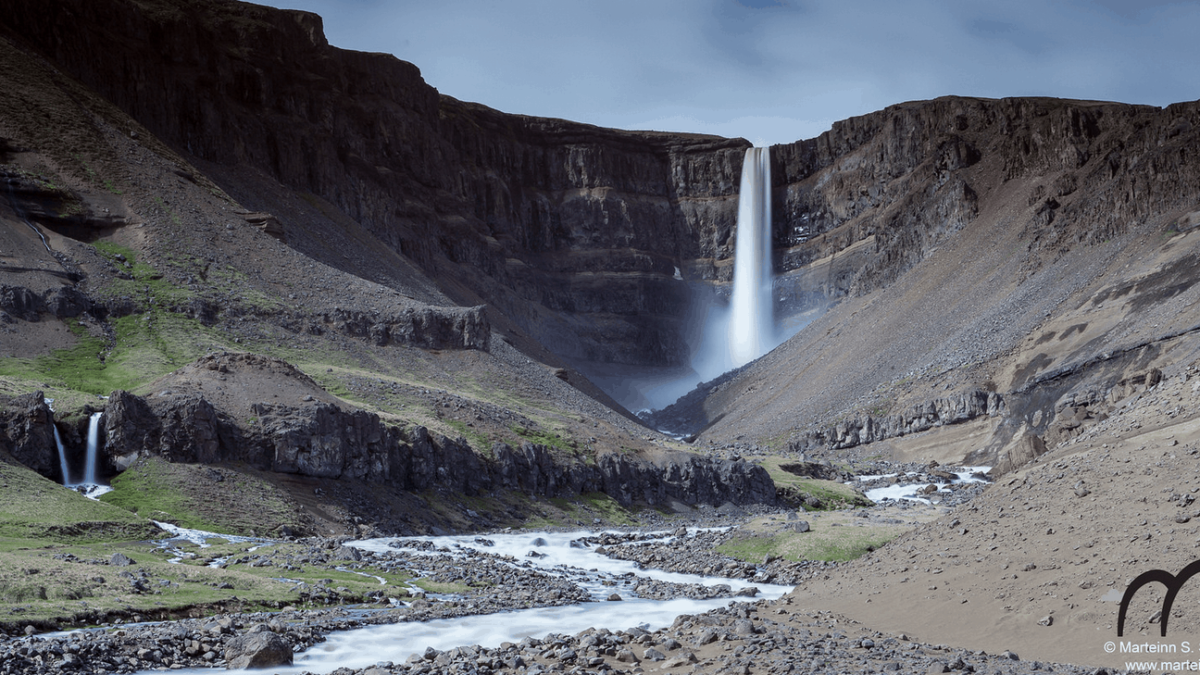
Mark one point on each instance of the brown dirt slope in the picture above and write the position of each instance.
(1060, 538)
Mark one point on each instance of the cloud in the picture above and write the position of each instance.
(769, 69)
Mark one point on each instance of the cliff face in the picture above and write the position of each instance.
(900, 181)
(1037, 249)
(574, 232)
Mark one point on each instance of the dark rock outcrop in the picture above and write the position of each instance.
(62, 302)
(426, 327)
(325, 440)
(870, 428)
(26, 432)
(21, 303)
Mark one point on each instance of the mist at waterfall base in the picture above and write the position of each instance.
(725, 332)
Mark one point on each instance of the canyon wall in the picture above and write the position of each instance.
(575, 232)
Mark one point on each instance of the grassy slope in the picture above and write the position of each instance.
(55, 543)
(831, 494)
(33, 509)
(196, 497)
(837, 536)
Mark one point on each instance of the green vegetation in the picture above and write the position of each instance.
(183, 494)
(479, 441)
(546, 438)
(147, 288)
(33, 508)
(146, 345)
(831, 495)
(833, 537)
(442, 588)
(559, 512)
(750, 549)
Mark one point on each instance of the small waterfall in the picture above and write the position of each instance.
(93, 450)
(751, 322)
(62, 456)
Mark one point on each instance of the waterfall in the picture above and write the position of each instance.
(93, 450)
(62, 456)
(751, 322)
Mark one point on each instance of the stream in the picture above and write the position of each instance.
(365, 647)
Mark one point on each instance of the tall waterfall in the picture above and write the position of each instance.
(93, 450)
(751, 321)
(62, 457)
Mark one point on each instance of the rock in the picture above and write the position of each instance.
(21, 303)
(801, 526)
(922, 417)
(653, 654)
(27, 430)
(626, 656)
(615, 597)
(1046, 620)
(120, 560)
(347, 553)
(257, 650)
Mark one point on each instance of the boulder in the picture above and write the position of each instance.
(257, 650)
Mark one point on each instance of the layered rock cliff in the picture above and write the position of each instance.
(575, 232)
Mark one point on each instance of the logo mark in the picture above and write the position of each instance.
(1172, 582)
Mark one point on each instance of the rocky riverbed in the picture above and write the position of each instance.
(493, 575)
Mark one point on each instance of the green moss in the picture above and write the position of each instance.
(546, 438)
(144, 489)
(145, 345)
(148, 289)
(608, 509)
(854, 545)
(143, 350)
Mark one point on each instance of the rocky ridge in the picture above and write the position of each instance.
(322, 437)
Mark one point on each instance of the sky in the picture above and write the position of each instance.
(773, 71)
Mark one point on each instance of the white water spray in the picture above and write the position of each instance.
(62, 457)
(751, 321)
(93, 450)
